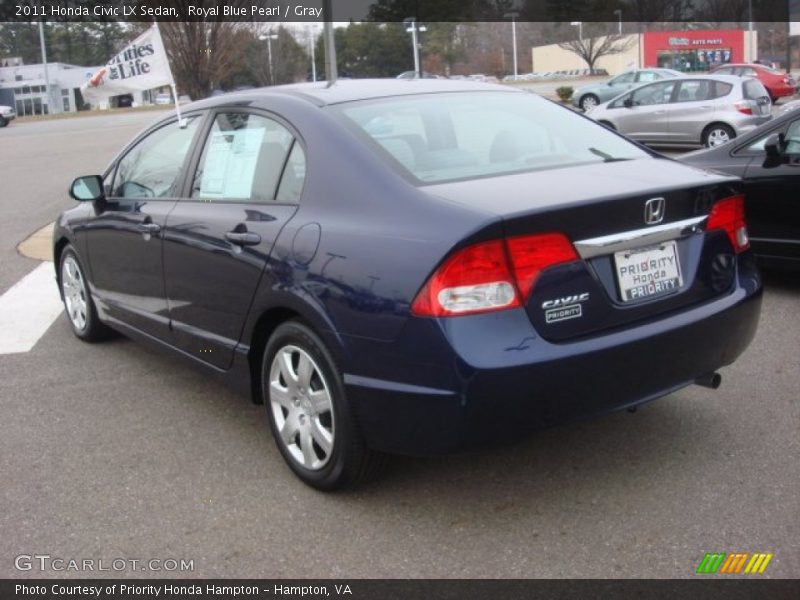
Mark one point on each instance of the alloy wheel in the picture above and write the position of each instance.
(300, 400)
(717, 137)
(75, 295)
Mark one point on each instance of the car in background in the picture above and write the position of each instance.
(793, 105)
(706, 110)
(162, 99)
(778, 84)
(395, 268)
(589, 96)
(7, 114)
(415, 75)
(768, 161)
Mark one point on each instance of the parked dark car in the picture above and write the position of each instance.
(768, 160)
(411, 267)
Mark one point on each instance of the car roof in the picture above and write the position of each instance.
(350, 90)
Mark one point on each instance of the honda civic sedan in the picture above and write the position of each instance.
(707, 110)
(412, 267)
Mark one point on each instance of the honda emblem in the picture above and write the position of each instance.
(654, 211)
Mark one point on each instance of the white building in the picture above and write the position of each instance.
(24, 88)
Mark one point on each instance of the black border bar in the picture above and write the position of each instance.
(643, 11)
(699, 588)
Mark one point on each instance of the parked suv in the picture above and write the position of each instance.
(778, 83)
(7, 114)
(699, 110)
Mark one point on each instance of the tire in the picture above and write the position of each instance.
(3, 122)
(717, 134)
(78, 304)
(588, 101)
(311, 420)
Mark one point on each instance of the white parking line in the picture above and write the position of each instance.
(28, 309)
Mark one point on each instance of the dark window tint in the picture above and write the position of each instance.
(294, 174)
(242, 159)
(152, 168)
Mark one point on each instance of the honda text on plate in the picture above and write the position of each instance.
(411, 267)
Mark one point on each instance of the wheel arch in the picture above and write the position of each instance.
(58, 250)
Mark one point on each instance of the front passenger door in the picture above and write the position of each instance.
(124, 236)
(217, 243)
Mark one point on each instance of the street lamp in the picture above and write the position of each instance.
(618, 12)
(414, 29)
(579, 25)
(311, 42)
(269, 37)
(513, 15)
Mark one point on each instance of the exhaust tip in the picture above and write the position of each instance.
(709, 380)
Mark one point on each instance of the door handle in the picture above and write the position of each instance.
(243, 238)
(150, 227)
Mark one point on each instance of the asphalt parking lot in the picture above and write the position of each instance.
(113, 451)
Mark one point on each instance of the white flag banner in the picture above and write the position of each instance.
(141, 65)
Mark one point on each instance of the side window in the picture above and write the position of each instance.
(242, 159)
(294, 175)
(694, 90)
(720, 89)
(624, 78)
(657, 93)
(792, 139)
(747, 72)
(152, 168)
(647, 76)
(754, 89)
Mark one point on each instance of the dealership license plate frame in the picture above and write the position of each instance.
(656, 252)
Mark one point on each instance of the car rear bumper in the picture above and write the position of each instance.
(499, 380)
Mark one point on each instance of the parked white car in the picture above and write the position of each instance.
(7, 114)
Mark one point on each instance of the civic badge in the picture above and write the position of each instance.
(654, 211)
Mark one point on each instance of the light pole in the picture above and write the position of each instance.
(269, 37)
(311, 42)
(513, 15)
(51, 108)
(750, 28)
(579, 25)
(618, 12)
(414, 29)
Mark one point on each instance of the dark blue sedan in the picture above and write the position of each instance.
(411, 267)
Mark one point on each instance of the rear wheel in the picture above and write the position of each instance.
(717, 134)
(310, 417)
(78, 303)
(589, 101)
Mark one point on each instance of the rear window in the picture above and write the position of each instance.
(453, 136)
(754, 89)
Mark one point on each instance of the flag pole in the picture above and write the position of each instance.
(172, 85)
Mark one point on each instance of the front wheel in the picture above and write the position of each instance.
(310, 417)
(78, 303)
(718, 134)
(3, 122)
(588, 102)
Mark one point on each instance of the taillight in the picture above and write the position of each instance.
(728, 215)
(531, 254)
(744, 107)
(490, 276)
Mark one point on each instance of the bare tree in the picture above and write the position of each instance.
(592, 47)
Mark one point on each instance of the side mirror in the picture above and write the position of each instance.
(628, 102)
(772, 146)
(87, 189)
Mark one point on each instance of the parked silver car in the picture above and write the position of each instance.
(706, 110)
(7, 114)
(589, 96)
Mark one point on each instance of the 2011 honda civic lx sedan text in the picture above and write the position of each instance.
(411, 267)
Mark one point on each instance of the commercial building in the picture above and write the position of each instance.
(24, 87)
(690, 51)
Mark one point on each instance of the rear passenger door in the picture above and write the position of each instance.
(693, 108)
(244, 189)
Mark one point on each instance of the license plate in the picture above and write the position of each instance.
(648, 272)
